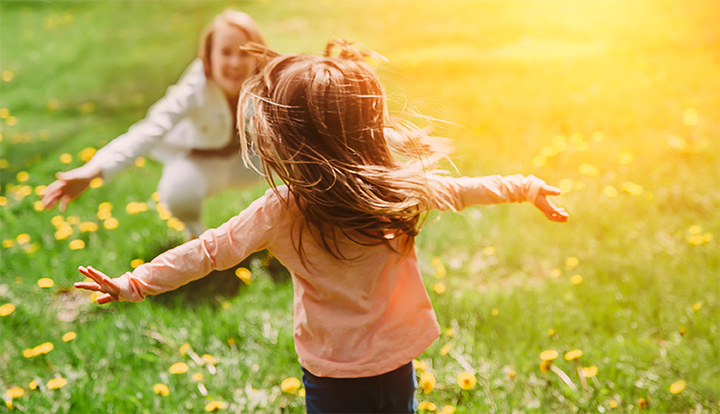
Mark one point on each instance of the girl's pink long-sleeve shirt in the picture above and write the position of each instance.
(351, 319)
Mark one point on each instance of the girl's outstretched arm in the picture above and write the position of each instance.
(458, 193)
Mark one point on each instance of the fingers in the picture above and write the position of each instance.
(106, 298)
(64, 202)
(551, 211)
(88, 286)
(101, 279)
(548, 190)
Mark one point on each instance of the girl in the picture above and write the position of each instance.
(343, 223)
(191, 129)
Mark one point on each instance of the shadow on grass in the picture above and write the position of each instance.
(219, 283)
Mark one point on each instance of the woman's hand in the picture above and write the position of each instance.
(68, 186)
(102, 283)
(550, 210)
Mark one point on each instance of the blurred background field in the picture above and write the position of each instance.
(616, 102)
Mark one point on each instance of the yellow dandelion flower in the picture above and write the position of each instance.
(88, 226)
(450, 332)
(66, 158)
(632, 188)
(176, 224)
(691, 116)
(29, 353)
(215, 405)
(244, 274)
(610, 191)
(695, 229)
(589, 170)
(290, 385)
(209, 359)
(155, 196)
(696, 307)
(495, 312)
(96, 182)
(682, 330)
(39, 190)
(69, 336)
(226, 305)
(448, 409)
(439, 288)
(134, 208)
(46, 282)
(696, 240)
(8, 75)
(198, 377)
(445, 349)
(161, 389)
(140, 161)
(708, 237)
(31, 248)
(8, 243)
(111, 223)
(7, 309)
(4, 163)
(15, 392)
(466, 381)
(301, 393)
(179, 368)
(77, 245)
(677, 387)
(87, 107)
(626, 157)
(576, 279)
(32, 385)
(489, 251)
(539, 161)
(590, 371)
(184, 349)
(56, 383)
(11, 120)
(419, 365)
(548, 355)
(231, 341)
(86, 154)
(551, 332)
(427, 406)
(43, 348)
(38, 206)
(642, 403)
(571, 262)
(22, 176)
(106, 205)
(57, 220)
(4, 113)
(73, 220)
(163, 212)
(565, 185)
(104, 214)
(573, 355)
(3, 201)
(613, 404)
(511, 373)
(545, 365)
(427, 382)
(63, 231)
(136, 262)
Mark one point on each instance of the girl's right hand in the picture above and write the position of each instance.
(550, 210)
(101, 283)
(68, 186)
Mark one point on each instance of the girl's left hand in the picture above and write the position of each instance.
(102, 283)
(550, 210)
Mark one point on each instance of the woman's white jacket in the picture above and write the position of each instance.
(193, 114)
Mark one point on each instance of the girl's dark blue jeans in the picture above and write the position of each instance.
(392, 392)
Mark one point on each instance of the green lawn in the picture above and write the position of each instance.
(616, 102)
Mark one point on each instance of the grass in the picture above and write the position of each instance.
(631, 86)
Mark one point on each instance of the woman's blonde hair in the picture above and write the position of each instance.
(320, 124)
(232, 18)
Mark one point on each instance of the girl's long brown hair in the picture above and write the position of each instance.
(320, 124)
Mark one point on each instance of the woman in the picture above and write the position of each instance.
(191, 129)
